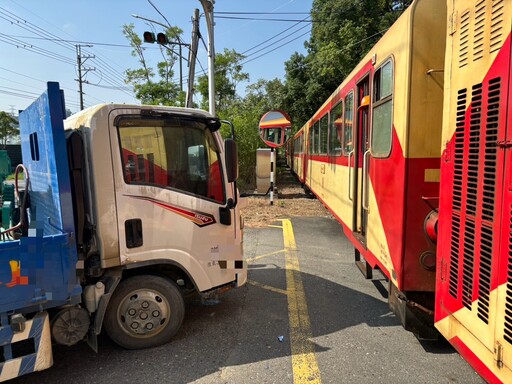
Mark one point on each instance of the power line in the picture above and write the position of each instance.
(32, 48)
(28, 26)
(265, 19)
(266, 47)
(273, 37)
(262, 13)
(283, 38)
(109, 87)
(19, 90)
(116, 75)
(73, 41)
(25, 94)
(161, 14)
(272, 50)
(114, 79)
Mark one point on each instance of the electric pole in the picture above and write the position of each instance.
(82, 71)
(192, 59)
(208, 12)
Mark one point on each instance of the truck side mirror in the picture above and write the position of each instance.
(231, 158)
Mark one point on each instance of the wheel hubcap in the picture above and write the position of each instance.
(144, 313)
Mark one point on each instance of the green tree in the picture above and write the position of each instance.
(8, 127)
(245, 113)
(153, 86)
(295, 93)
(343, 31)
(228, 74)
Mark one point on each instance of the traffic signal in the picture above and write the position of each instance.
(149, 37)
(161, 38)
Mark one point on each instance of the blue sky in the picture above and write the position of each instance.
(29, 25)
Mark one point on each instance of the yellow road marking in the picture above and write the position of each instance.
(267, 287)
(305, 366)
(275, 226)
(251, 259)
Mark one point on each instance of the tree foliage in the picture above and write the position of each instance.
(343, 31)
(153, 85)
(295, 91)
(245, 113)
(8, 127)
(228, 74)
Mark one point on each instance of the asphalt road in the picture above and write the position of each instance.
(307, 315)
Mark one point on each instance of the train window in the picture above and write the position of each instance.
(335, 129)
(316, 134)
(324, 132)
(171, 153)
(297, 146)
(348, 144)
(381, 136)
(311, 140)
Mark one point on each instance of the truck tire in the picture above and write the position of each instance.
(145, 311)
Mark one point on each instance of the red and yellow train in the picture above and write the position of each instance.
(412, 155)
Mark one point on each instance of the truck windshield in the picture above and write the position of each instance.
(172, 153)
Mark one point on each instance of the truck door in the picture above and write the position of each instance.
(170, 188)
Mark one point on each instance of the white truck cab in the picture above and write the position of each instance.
(156, 207)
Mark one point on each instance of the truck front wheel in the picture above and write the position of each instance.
(144, 311)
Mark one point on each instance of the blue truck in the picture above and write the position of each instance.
(121, 211)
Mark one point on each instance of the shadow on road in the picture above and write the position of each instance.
(243, 327)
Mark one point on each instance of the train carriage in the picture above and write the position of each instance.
(373, 154)
(411, 154)
(474, 283)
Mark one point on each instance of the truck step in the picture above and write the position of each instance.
(27, 351)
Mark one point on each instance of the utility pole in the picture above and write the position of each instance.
(82, 71)
(192, 59)
(208, 12)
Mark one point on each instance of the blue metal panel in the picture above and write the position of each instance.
(43, 146)
(39, 271)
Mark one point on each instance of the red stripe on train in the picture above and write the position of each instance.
(474, 361)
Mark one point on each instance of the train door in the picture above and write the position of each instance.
(301, 167)
(313, 149)
(361, 159)
(308, 151)
(361, 154)
(503, 341)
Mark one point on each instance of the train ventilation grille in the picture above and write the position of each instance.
(508, 311)
(488, 194)
(491, 154)
(473, 157)
(473, 196)
(474, 43)
(464, 40)
(454, 257)
(497, 25)
(468, 264)
(479, 34)
(457, 191)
